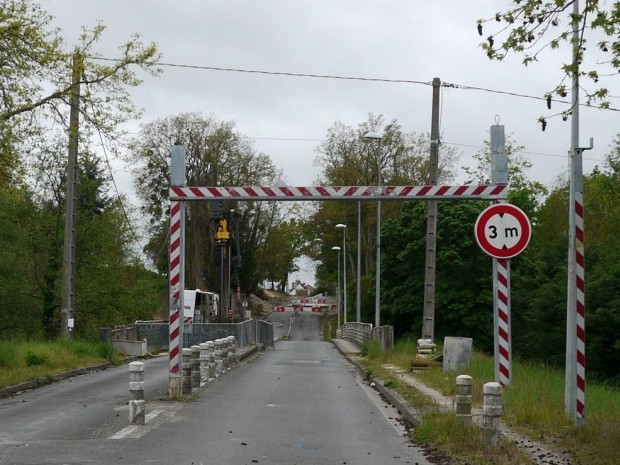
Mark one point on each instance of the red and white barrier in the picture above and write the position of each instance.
(340, 193)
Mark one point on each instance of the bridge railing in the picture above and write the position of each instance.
(359, 333)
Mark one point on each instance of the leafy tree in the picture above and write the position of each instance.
(349, 159)
(36, 79)
(528, 27)
(540, 288)
(280, 252)
(463, 277)
(216, 155)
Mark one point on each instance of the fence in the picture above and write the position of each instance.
(156, 333)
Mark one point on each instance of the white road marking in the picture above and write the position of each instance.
(136, 431)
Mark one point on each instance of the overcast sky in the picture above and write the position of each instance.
(413, 40)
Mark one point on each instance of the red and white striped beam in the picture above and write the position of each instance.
(174, 353)
(290, 193)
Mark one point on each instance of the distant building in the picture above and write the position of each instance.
(301, 289)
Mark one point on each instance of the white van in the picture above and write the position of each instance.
(200, 306)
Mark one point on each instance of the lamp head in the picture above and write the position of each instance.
(373, 135)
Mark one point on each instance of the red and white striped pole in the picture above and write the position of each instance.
(580, 316)
(502, 317)
(575, 382)
(175, 279)
(176, 276)
(501, 269)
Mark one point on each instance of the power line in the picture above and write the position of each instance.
(134, 236)
(359, 78)
(525, 152)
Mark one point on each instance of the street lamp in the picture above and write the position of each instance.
(338, 301)
(344, 267)
(377, 136)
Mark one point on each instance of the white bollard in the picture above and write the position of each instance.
(224, 353)
(463, 398)
(211, 353)
(491, 412)
(218, 357)
(187, 371)
(136, 394)
(233, 350)
(195, 362)
(204, 362)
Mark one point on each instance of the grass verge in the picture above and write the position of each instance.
(533, 405)
(30, 360)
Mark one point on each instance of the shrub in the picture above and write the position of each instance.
(33, 359)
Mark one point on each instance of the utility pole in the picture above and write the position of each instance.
(575, 381)
(67, 313)
(428, 325)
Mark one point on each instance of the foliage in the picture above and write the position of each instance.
(36, 74)
(528, 27)
(216, 155)
(538, 275)
(462, 305)
(349, 159)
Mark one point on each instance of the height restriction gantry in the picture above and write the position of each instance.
(313, 193)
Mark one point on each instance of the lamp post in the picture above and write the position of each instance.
(338, 292)
(377, 136)
(344, 268)
(358, 284)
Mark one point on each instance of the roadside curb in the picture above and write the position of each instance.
(33, 384)
(403, 407)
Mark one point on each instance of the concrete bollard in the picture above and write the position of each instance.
(195, 362)
(211, 353)
(187, 371)
(136, 394)
(464, 385)
(224, 353)
(233, 350)
(204, 362)
(491, 412)
(218, 357)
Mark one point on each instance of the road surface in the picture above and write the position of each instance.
(301, 403)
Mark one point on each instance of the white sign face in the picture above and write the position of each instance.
(503, 230)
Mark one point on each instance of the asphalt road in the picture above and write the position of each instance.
(301, 403)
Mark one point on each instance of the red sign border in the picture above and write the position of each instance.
(496, 209)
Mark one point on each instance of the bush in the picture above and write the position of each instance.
(371, 349)
(33, 359)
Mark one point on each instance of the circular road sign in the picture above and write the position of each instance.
(503, 230)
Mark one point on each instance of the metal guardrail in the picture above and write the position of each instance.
(359, 333)
(356, 332)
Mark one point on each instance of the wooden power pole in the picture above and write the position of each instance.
(68, 268)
